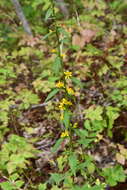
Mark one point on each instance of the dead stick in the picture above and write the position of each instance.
(21, 16)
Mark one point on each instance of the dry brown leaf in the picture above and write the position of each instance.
(87, 35)
(123, 150)
(120, 158)
(20, 87)
(32, 41)
(77, 40)
(29, 40)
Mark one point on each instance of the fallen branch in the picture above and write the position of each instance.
(31, 107)
(22, 17)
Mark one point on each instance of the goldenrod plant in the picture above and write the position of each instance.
(63, 95)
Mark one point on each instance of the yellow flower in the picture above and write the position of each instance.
(99, 138)
(61, 116)
(68, 74)
(61, 106)
(70, 91)
(75, 125)
(63, 55)
(60, 84)
(63, 103)
(65, 134)
(66, 102)
(97, 182)
(53, 51)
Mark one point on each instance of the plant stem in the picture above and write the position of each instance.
(57, 33)
(62, 64)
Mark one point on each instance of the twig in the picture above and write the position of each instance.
(21, 16)
(31, 107)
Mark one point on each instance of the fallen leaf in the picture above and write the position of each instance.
(120, 158)
(77, 40)
(123, 150)
(87, 35)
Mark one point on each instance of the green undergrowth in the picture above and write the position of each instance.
(65, 86)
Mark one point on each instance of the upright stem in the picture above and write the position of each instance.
(57, 33)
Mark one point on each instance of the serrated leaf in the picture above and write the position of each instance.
(73, 163)
(94, 113)
(11, 167)
(7, 186)
(14, 176)
(42, 187)
(91, 168)
(19, 183)
(60, 162)
(57, 178)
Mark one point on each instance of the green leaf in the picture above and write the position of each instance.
(94, 113)
(91, 168)
(73, 163)
(48, 14)
(46, 36)
(11, 167)
(114, 175)
(87, 125)
(19, 183)
(7, 186)
(66, 118)
(77, 82)
(27, 97)
(85, 142)
(14, 176)
(57, 178)
(113, 114)
(61, 162)
(52, 94)
(42, 187)
(57, 66)
(92, 50)
(57, 145)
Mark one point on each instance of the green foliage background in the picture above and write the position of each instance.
(93, 45)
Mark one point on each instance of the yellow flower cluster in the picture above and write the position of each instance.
(97, 182)
(99, 138)
(70, 91)
(75, 125)
(63, 103)
(53, 51)
(68, 74)
(60, 84)
(63, 55)
(65, 134)
(62, 116)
